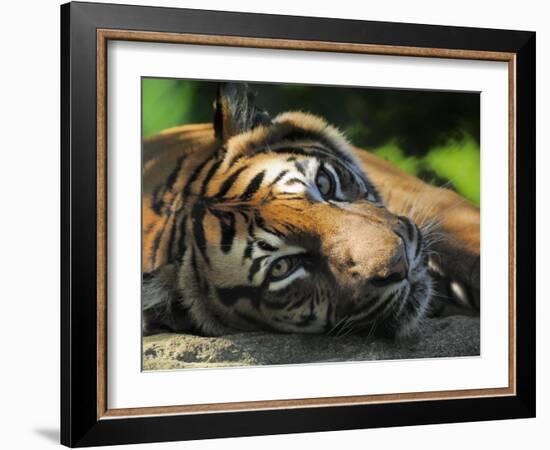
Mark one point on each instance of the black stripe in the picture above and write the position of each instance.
(201, 284)
(229, 182)
(158, 238)
(194, 176)
(171, 238)
(248, 250)
(278, 177)
(227, 225)
(209, 176)
(293, 151)
(290, 150)
(300, 134)
(410, 229)
(195, 268)
(157, 205)
(251, 229)
(182, 243)
(172, 178)
(255, 267)
(243, 215)
(300, 168)
(253, 186)
(230, 296)
(319, 152)
(235, 160)
(291, 228)
(266, 246)
(197, 215)
(260, 223)
(157, 200)
(297, 303)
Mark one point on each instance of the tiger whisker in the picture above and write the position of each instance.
(336, 325)
(372, 329)
(341, 327)
(350, 330)
(344, 327)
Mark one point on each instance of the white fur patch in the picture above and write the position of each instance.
(281, 284)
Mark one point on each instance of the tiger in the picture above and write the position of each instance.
(279, 224)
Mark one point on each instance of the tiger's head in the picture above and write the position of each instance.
(279, 228)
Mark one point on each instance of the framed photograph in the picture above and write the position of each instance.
(277, 224)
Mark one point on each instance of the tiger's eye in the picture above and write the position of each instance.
(324, 183)
(281, 267)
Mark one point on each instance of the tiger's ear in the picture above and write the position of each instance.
(235, 111)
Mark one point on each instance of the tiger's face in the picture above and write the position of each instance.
(286, 233)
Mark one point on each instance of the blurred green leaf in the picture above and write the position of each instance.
(458, 162)
(166, 103)
(392, 153)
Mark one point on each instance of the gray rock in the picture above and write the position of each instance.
(440, 337)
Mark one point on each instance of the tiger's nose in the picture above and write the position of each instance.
(396, 270)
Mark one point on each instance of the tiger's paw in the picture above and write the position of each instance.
(452, 296)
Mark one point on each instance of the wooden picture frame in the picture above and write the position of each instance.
(85, 416)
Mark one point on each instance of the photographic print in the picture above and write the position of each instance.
(307, 211)
(291, 224)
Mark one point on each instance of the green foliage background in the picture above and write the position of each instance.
(431, 134)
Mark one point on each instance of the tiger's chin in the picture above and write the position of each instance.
(408, 321)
